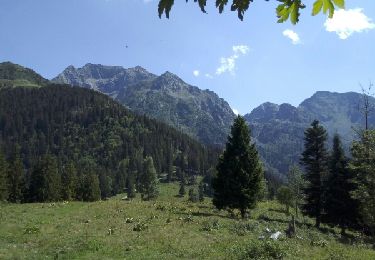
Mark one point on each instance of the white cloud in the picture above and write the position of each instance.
(346, 22)
(208, 75)
(292, 35)
(235, 111)
(241, 49)
(196, 73)
(228, 64)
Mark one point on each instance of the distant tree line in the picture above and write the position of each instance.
(64, 143)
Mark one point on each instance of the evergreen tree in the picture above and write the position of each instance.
(130, 187)
(201, 191)
(170, 171)
(193, 197)
(45, 182)
(240, 173)
(182, 191)
(314, 158)
(91, 187)
(16, 178)
(285, 196)
(105, 184)
(148, 183)
(340, 208)
(69, 182)
(363, 167)
(121, 176)
(296, 184)
(3, 178)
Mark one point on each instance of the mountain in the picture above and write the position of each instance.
(199, 113)
(279, 129)
(109, 80)
(13, 75)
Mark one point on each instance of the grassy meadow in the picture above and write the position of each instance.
(167, 228)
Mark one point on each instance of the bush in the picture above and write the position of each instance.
(242, 228)
(140, 227)
(264, 250)
(210, 225)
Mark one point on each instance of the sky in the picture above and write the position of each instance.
(246, 63)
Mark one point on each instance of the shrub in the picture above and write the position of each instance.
(242, 228)
(140, 227)
(210, 225)
(264, 250)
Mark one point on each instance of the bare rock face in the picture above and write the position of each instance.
(199, 113)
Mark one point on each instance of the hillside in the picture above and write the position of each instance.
(169, 228)
(199, 113)
(279, 129)
(13, 75)
(95, 133)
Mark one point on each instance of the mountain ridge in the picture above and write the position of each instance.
(199, 113)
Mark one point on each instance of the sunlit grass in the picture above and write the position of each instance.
(168, 228)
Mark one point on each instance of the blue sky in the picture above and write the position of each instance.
(246, 63)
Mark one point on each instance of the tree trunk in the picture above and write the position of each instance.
(296, 209)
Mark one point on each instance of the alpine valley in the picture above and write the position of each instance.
(278, 130)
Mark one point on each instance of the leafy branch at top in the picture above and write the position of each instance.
(286, 10)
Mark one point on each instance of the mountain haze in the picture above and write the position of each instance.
(279, 129)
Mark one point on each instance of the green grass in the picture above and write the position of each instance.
(170, 228)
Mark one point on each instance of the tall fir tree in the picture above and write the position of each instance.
(340, 209)
(201, 191)
(69, 182)
(363, 167)
(239, 172)
(91, 187)
(182, 191)
(130, 187)
(3, 177)
(16, 178)
(45, 181)
(105, 184)
(148, 183)
(315, 160)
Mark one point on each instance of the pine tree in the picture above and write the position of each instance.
(121, 176)
(340, 208)
(182, 191)
(239, 172)
(69, 182)
(16, 178)
(285, 196)
(296, 184)
(363, 167)
(3, 178)
(148, 183)
(193, 197)
(45, 182)
(314, 158)
(201, 191)
(91, 187)
(105, 184)
(130, 187)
